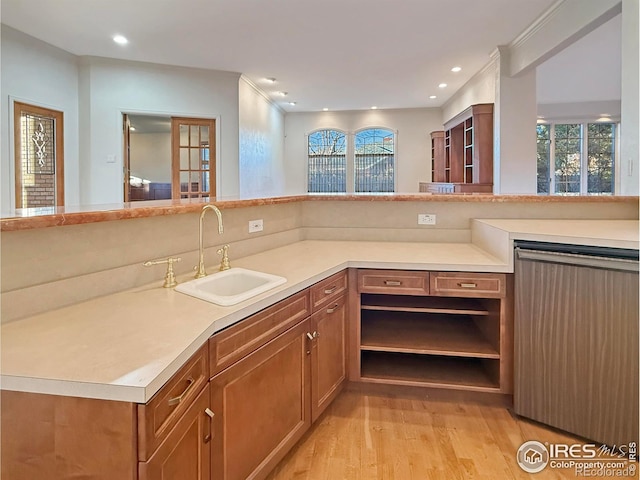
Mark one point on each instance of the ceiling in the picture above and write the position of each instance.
(335, 54)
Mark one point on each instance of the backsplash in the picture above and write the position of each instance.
(47, 268)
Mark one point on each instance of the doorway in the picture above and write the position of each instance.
(39, 156)
(168, 157)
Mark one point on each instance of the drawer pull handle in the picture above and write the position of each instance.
(309, 336)
(332, 309)
(179, 398)
(467, 285)
(209, 412)
(330, 290)
(393, 283)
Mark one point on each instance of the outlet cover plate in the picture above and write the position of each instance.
(426, 219)
(255, 226)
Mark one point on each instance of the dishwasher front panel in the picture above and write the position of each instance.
(576, 348)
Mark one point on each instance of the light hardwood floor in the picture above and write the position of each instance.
(365, 436)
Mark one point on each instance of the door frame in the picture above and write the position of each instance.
(23, 106)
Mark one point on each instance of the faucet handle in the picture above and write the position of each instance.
(224, 262)
(170, 277)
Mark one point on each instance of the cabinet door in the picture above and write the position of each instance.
(185, 454)
(329, 355)
(262, 406)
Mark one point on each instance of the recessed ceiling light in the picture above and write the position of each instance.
(540, 120)
(325, 109)
(604, 119)
(456, 69)
(133, 129)
(442, 85)
(120, 39)
(283, 94)
(374, 108)
(270, 80)
(293, 104)
(432, 97)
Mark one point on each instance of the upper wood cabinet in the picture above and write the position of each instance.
(466, 164)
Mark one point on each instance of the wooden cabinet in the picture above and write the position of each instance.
(273, 374)
(467, 164)
(328, 354)
(455, 333)
(262, 406)
(60, 437)
(437, 156)
(185, 452)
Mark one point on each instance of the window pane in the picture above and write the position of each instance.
(374, 160)
(543, 158)
(600, 157)
(327, 162)
(568, 140)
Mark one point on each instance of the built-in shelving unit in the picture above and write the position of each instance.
(431, 338)
(438, 156)
(468, 154)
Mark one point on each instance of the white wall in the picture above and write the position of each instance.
(481, 88)
(151, 156)
(37, 73)
(109, 87)
(629, 125)
(261, 167)
(413, 147)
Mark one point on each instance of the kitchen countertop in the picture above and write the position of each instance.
(127, 345)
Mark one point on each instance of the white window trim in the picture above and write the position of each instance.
(584, 178)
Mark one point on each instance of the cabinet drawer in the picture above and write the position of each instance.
(328, 289)
(393, 282)
(162, 412)
(239, 340)
(449, 284)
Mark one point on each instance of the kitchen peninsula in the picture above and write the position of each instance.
(105, 329)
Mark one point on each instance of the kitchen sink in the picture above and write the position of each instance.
(230, 286)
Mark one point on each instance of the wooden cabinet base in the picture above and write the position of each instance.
(261, 406)
(53, 437)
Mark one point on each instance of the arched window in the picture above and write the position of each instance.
(374, 160)
(327, 161)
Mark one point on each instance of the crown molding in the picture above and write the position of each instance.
(262, 93)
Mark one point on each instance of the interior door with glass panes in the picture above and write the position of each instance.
(193, 157)
(39, 152)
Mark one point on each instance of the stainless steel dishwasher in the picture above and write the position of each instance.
(576, 339)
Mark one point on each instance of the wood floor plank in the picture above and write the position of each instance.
(364, 436)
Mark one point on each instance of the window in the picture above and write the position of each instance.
(544, 143)
(39, 178)
(327, 161)
(576, 158)
(374, 160)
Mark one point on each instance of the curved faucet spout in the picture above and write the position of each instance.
(200, 272)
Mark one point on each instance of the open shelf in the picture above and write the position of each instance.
(424, 334)
(406, 303)
(429, 370)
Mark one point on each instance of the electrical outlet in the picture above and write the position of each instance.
(426, 219)
(255, 226)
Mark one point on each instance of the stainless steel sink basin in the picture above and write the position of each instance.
(230, 286)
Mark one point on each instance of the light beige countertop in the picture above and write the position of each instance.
(127, 345)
